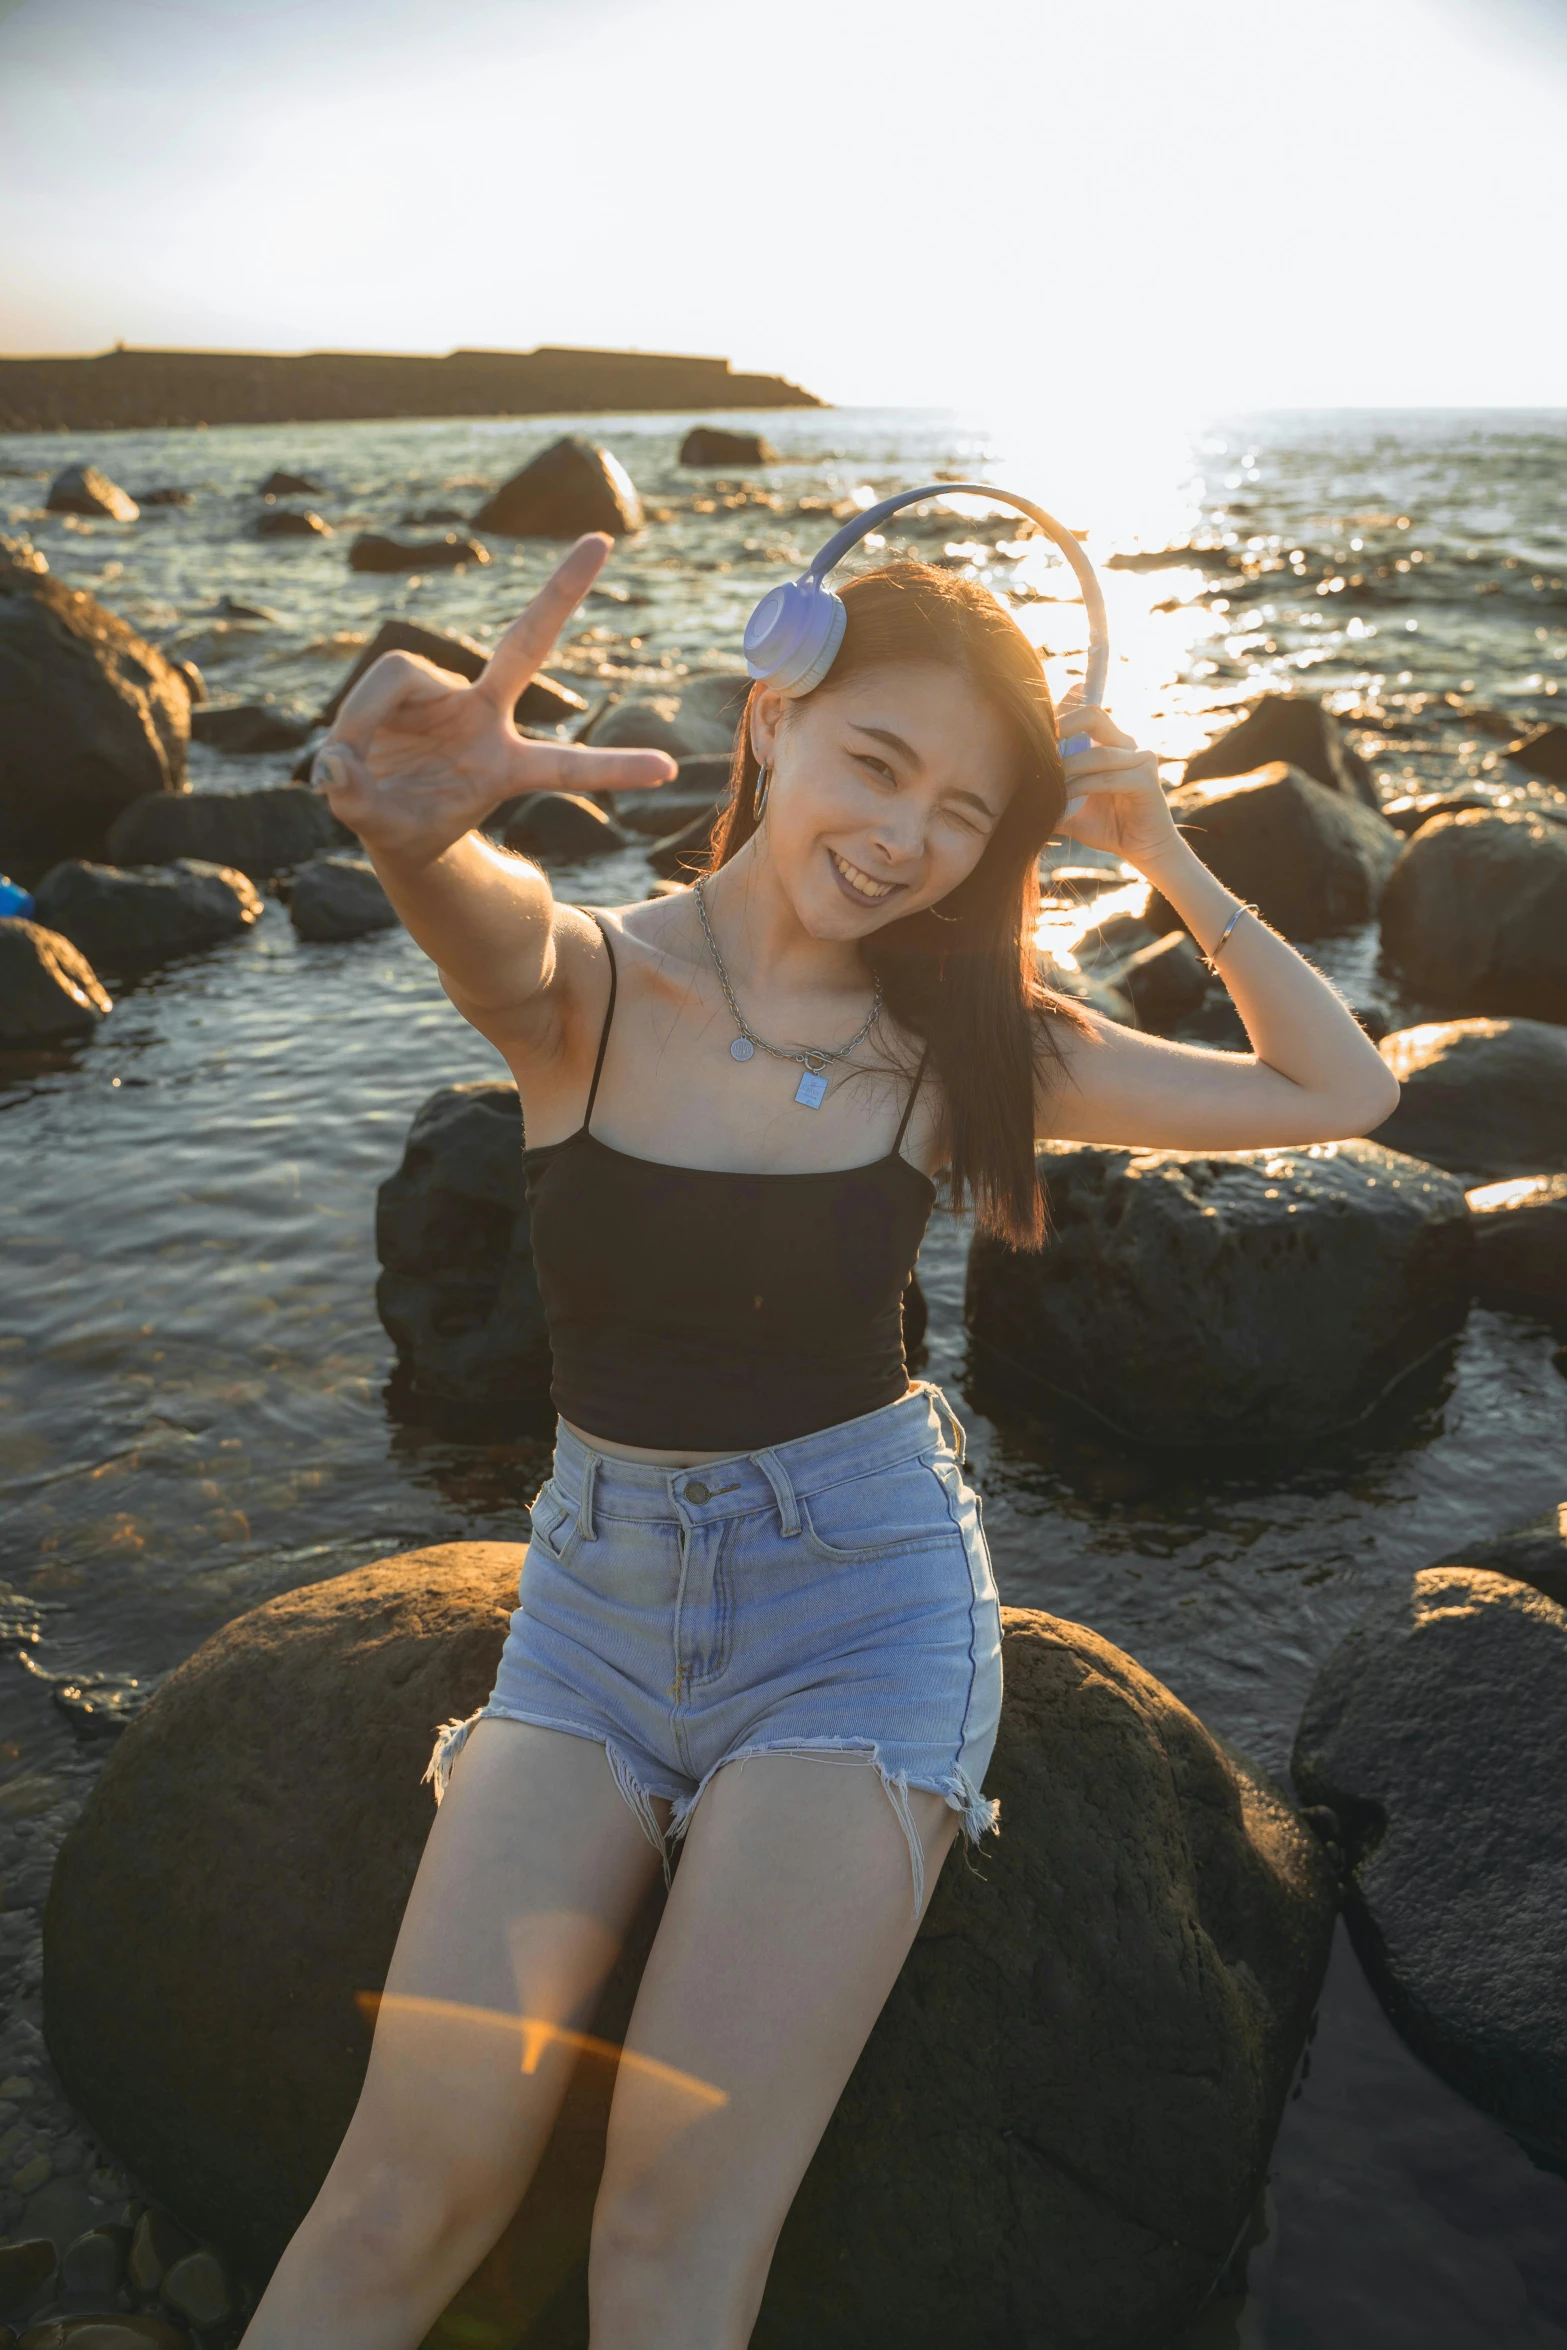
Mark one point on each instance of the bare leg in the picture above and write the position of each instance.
(533, 1871)
(790, 1917)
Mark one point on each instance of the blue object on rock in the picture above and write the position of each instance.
(13, 898)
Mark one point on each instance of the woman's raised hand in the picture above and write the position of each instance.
(1114, 799)
(417, 757)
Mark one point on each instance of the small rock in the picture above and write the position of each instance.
(1542, 752)
(286, 522)
(570, 487)
(24, 2271)
(544, 701)
(48, 989)
(32, 2175)
(1407, 815)
(289, 485)
(1313, 860)
(339, 896)
(157, 2242)
(1481, 1097)
(95, 2262)
(371, 552)
(1535, 1553)
(561, 824)
(656, 815)
(698, 719)
(262, 833)
(118, 915)
(1475, 913)
(110, 2331)
(1521, 1246)
(1298, 730)
(245, 728)
(706, 444)
(197, 2288)
(82, 489)
(167, 497)
(1164, 981)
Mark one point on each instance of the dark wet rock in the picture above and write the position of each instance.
(168, 497)
(543, 701)
(1535, 1554)
(339, 895)
(263, 832)
(561, 824)
(1298, 730)
(1112, 941)
(1314, 861)
(457, 1293)
(82, 489)
(1482, 1097)
(371, 552)
(289, 485)
(696, 719)
(1521, 1246)
(246, 728)
(1249, 1296)
(1164, 982)
(95, 2261)
(681, 854)
(120, 915)
(94, 716)
(1410, 813)
(1103, 2019)
(158, 2242)
(197, 2288)
(1475, 914)
(48, 989)
(286, 522)
(1543, 752)
(431, 517)
(570, 487)
(708, 445)
(702, 784)
(1434, 1732)
(25, 2268)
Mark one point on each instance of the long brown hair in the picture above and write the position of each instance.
(965, 978)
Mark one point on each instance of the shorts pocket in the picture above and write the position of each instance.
(556, 1526)
(883, 1513)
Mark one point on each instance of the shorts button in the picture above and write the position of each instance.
(697, 1491)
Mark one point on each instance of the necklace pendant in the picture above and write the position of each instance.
(742, 1049)
(811, 1091)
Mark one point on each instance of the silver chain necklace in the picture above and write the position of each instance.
(811, 1091)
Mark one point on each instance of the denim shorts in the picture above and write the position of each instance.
(831, 1597)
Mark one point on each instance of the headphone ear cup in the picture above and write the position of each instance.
(792, 637)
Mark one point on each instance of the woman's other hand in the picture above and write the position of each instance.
(416, 757)
(1114, 799)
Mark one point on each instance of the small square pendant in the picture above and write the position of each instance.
(811, 1091)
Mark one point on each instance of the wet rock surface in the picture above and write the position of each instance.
(1248, 1296)
(544, 701)
(1520, 1232)
(1475, 913)
(287, 522)
(570, 487)
(262, 833)
(94, 718)
(695, 720)
(457, 1293)
(1542, 751)
(373, 552)
(1482, 1097)
(279, 484)
(1298, 730)
(561, 824)
(710, 445)
(82, 489)
(1313, 861)
(48, 989)
(339, 895)
(140, 914)
(245, 729)
(1163, 982)
(1434, 1733)
(1147, 1884)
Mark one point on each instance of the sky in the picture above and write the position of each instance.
(1196, 203)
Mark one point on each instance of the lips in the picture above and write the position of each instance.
(861, 885)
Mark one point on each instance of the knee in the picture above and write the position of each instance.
(394, 2227)
(660, 2264)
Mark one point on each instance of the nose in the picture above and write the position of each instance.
(899, 832)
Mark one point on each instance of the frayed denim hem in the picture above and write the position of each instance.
(978, 1813)
(453, 1736)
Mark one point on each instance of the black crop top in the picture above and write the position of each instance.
(691, 1308)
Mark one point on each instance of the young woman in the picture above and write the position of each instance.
(756, 1555)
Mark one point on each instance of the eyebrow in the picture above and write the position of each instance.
(895, 742)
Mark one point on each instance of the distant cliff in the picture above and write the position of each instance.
(147, 388)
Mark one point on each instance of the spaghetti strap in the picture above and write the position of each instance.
(609, 1015)
(908, 1107)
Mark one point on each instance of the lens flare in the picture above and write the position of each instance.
(536, 2034)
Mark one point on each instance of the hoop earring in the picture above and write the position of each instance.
(759, 792)
(937, 915)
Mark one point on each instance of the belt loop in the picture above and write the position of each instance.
(585, 1505)
(777, 1476)
(959, 1437)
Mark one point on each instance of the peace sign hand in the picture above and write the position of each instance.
(1114, 799)
(417, 757)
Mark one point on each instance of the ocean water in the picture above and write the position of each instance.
(197, 1402)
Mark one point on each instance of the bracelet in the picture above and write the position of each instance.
(1212, 960)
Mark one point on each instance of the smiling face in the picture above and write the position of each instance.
(884, 792)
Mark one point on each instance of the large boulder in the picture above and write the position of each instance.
(1164, 983)
(1298, 730)
(1521, 1246)
(121, 916)
(1434, 1732)
(561, 824)
(710, 445)
(82, 489)
(457, 1293)
(570, 487)
(1244, 1296)
(542, 702)
(694, 720)
(1059, 2123)
(262, 832)
(373, 552)
(1475, 913)
(1482, 1097)
(339, 895)
(91, 717)
(244, 729)
(1312, 860)
(1543, 752)
(48, 989)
